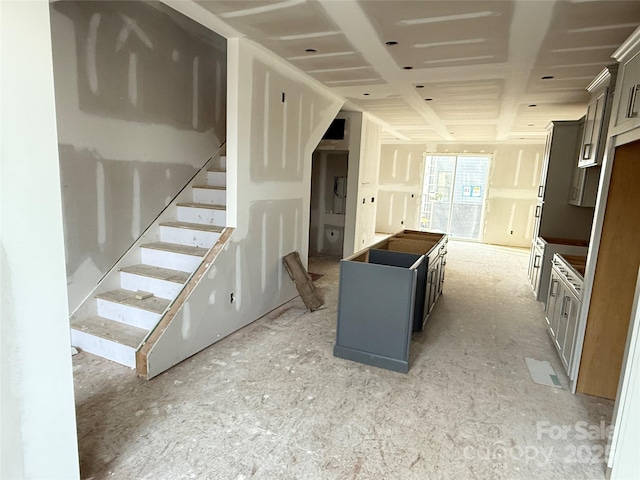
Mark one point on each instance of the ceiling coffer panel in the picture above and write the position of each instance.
(463, 132)
(272, 19)
(291, 29)
(465, 100)
(443, 33)
(579, 43)
(540, 116)
(393, 110)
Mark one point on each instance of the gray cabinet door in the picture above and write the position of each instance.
(538, 259)
(572, 310)
(563, 317)
(552, 303)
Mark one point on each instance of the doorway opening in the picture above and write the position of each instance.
(328, 202)
(453, 195)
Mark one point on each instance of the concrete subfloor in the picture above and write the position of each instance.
(271, 402)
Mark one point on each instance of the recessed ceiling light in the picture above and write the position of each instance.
(408, 67)
(547, 77)
(419, 86)
(311, 50)
(428, 99)
(532, 105)
(391, 42)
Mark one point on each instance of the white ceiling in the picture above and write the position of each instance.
(477, 66)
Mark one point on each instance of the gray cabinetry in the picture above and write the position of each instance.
(586, 174)
(558, 220)
(557, 217)
(597, 118)
(584, 186)
(535, 264)
(627, 109)
(386, 292)
(540, 261)
(563, 308)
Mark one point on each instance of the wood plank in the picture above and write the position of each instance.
(177, 248)
(175, 276)
(209, 206)
(204, 227)
(111, 330)
(615, 279)
(128, 297)
(310, 295)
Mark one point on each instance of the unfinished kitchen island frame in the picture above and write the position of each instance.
(386, 292)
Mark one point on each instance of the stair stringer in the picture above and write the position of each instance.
(208, 315)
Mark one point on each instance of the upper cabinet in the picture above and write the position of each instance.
(627, 104)
(596, 122)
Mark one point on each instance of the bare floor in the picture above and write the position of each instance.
(271, 401)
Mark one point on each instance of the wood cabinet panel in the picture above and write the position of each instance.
(615, 278)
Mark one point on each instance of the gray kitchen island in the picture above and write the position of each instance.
(387, 292)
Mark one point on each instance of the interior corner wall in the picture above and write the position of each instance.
(37, 410)
(139, 110)
(512, 189)
(400, 187)
(269, 151)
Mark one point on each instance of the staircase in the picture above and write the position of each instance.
(115, 321)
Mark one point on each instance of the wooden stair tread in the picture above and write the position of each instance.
(210, 206)
(194, 226)
(111, 330)
(177, 248)
(175, 276)
(217, 170)
(128, 297)
(210, 187)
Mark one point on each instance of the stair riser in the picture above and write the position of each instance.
(172, 260)
(210, 195)
(185, 236)
(202, 215)
(160, 288)
(104, 348)
(217, 179)
(126, 314)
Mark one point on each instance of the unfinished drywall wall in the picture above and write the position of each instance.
(369, 166)
(38, 413)
(400, 187)
(512, 189)
(363, 144)
(328, 202)
(270, 180)
(141, 105)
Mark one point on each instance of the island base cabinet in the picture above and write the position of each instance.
(375, 314)
(386, 293)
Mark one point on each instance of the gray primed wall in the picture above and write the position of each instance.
(141, 105)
